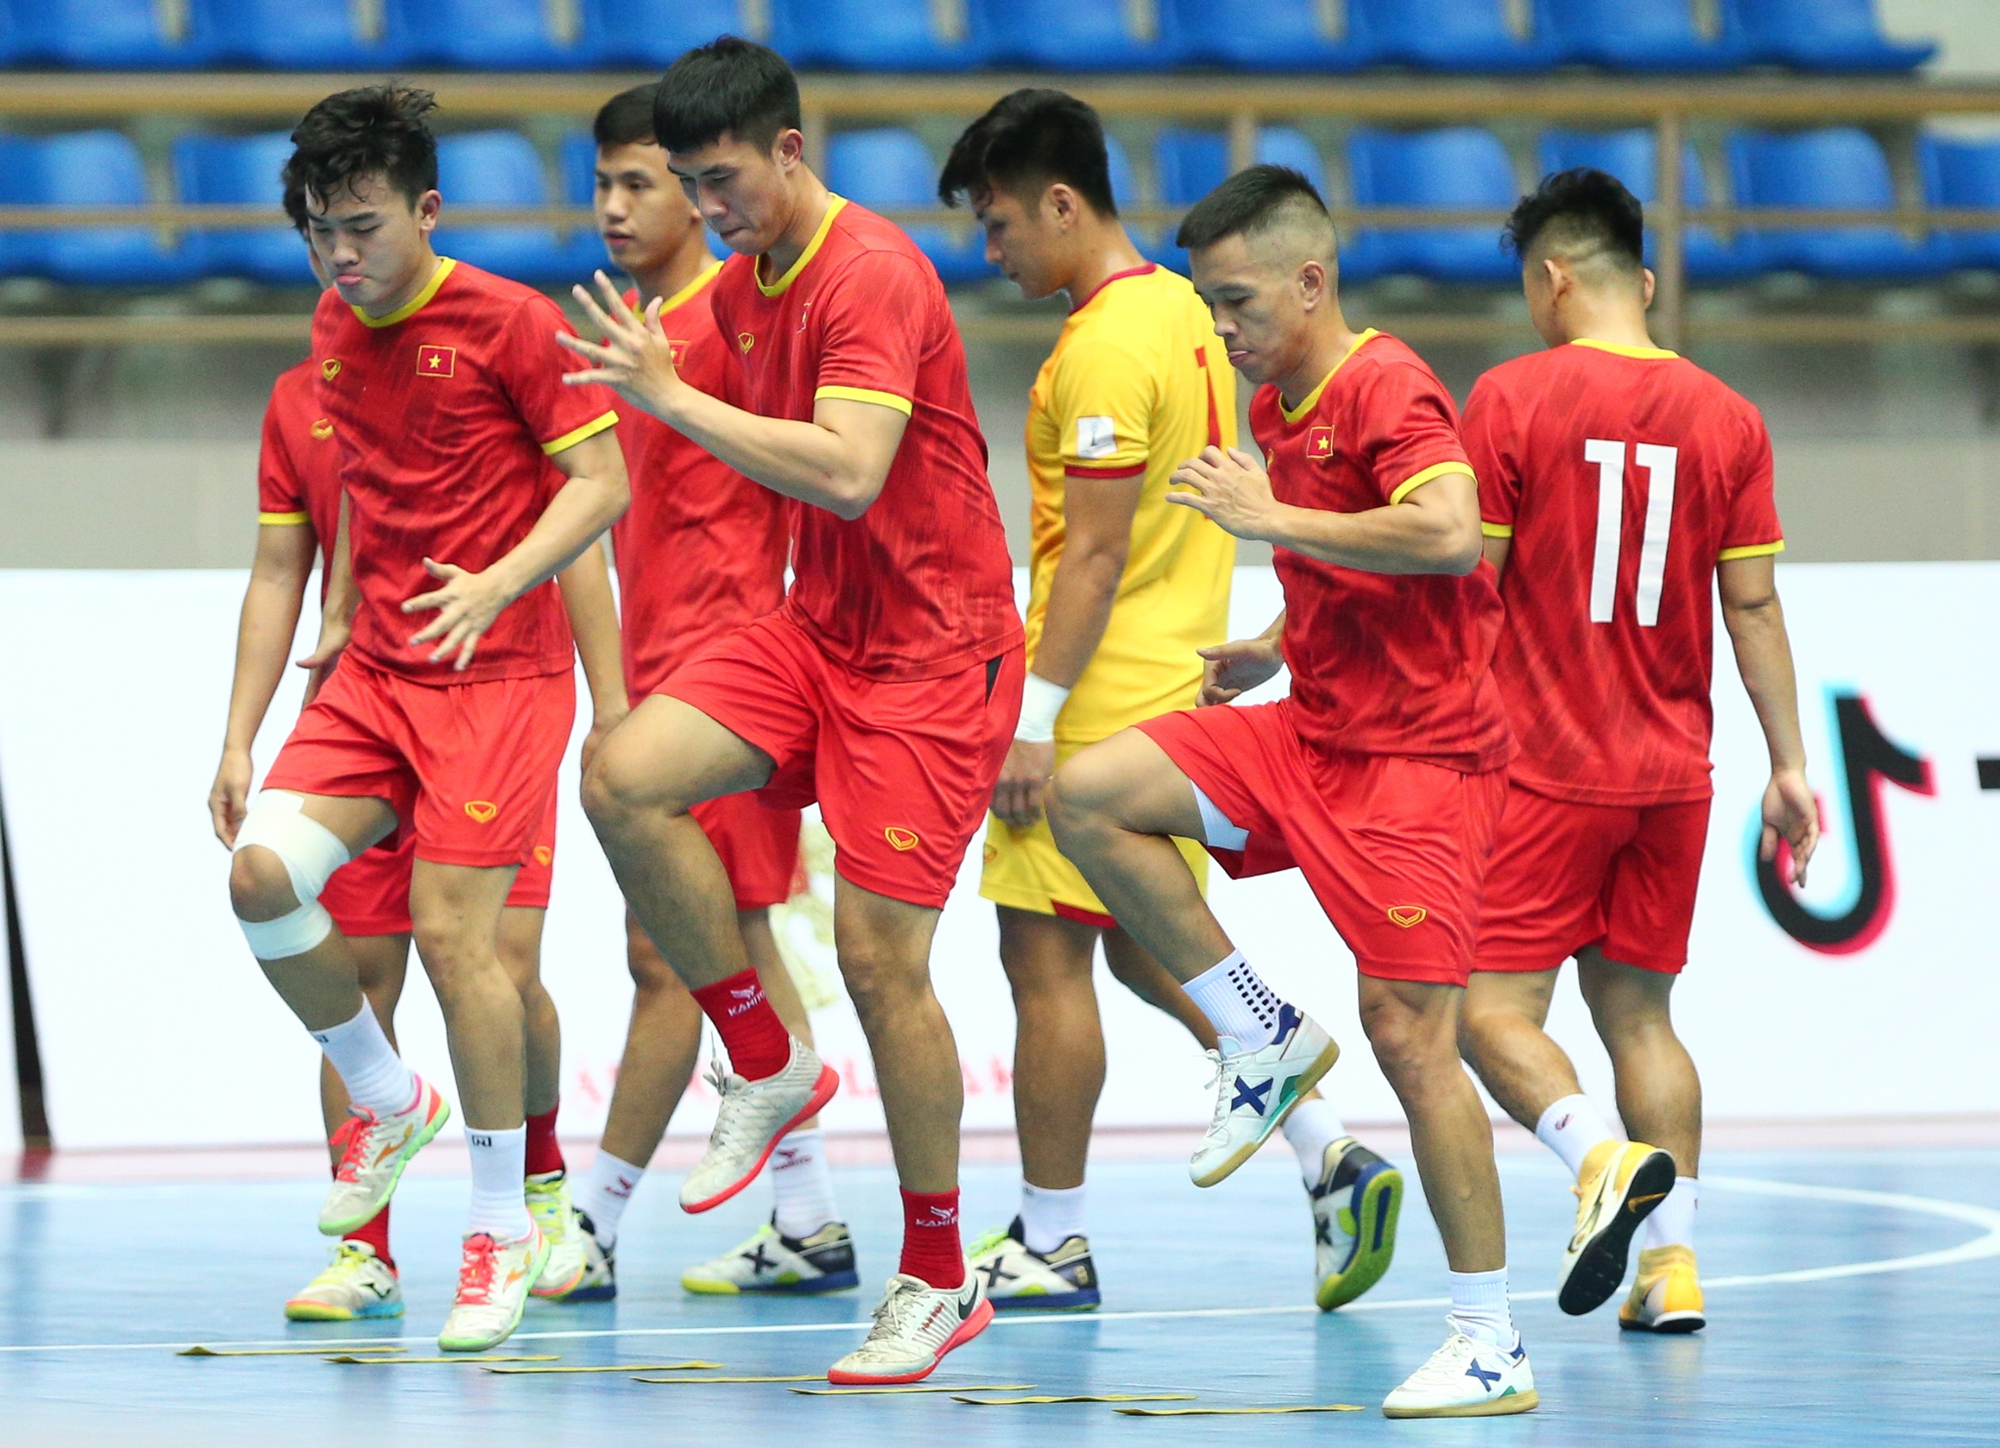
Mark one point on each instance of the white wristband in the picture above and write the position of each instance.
(1041, 701)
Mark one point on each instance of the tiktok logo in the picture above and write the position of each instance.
(1867, 758)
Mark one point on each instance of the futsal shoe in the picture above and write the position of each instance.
(372, 1158)
(1620, 1184)
(1256, 1090)
(916, 1324)
(1355, 1206)
(1467, 1378)
(549, 1205)
(753, 1117)
(599, 1282)
(1666, 1295)
(356, 1283)
(1018, 1277)
(494, 1279)
(772, 1262)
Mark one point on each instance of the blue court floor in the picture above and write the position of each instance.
(1853, 1298)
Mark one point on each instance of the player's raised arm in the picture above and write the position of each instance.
(1756, 623)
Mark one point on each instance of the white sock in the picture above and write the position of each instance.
(370, 1069)
(1237, 1002)
(802, 1183)
(1672, 1221)
(1479, 1307)
(1570, 1128)
(1312, 1127)
(1050, 1216)
(606, 1191)
(499, 1165)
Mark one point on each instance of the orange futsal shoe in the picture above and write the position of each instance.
(1666, 1295)
(1620, 1184)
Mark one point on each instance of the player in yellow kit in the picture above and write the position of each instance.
(1126, 591)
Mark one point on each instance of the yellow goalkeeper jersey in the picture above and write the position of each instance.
(1138, 383)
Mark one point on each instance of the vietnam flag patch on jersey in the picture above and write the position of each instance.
(436, 361)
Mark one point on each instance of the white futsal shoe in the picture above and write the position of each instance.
(494, 1279)
(753, 1117)
(1016, 1276)
(916, 1324)
(770, 1262)
(355, 1284)
(374, 1153)
(1256, 1090)
(1467, 1378)
(548, 1203)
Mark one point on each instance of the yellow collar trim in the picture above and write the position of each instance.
(415, 304)
(1621, 350)
(777, 288)
(1295, 414)
(692, 289)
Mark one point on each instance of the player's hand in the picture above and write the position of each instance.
(635, 356)
(1239, 665)
(467, 605)
(333, 636)
(602, 722)
(1017, 798)
(1792, 814)
(1229, 488)
(229, 796)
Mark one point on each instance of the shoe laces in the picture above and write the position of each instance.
(475, 1269)
(1447, 1365)
(354, 1135)
(1218, 1126)
(734, 1119)
(902, 1298)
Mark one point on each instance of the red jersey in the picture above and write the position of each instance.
(298, 465)
(1623, 474)
(1381, 663)
(702, 548)
(447, 411)
(920, 585)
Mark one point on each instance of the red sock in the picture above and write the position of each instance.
(930, 1238)
(757, 1041)
(375, 1232)
(544, 1154)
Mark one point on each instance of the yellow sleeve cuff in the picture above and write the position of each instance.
(865, 394)
(283, 520)
(1754, 550)
(1496, 530)
(589, 429)
(1410, 485)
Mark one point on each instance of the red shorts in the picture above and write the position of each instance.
(1565, 876)
(370, 894)
(759, 848)
(1393, 848)
(470, 769)
(903, 770)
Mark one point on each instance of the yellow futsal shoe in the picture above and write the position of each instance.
(1666, 1295)
(356, 1284)
(1620, 1184)
(562, 1228)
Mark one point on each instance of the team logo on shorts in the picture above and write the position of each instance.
(481, 810)
(330, 368)
(900, 838)
(436, 361)
(745, 341)
(1319, 443)
(322, 430)
(1406, 916)
(544, 855)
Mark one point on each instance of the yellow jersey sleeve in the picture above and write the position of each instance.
(1102, 403)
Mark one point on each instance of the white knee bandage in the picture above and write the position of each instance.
(310, 853)
(1216, 827)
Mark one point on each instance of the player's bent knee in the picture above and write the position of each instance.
(279, 847)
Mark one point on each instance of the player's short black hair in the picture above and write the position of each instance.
(376, 130)
(726, 87)
(295, 206)
(627, 118)
(1030, 139)
(1251, 200)
(1585, 206)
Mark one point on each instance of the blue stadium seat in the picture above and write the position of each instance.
(889, 169)
(866, 35)
(97, 35)
(1189, 164)
(499, 168)
(1269, 35)
(1631, 35)
(1444, 35)
(476, 35)
(1964, 174)
(1818, 35)
(1458, 167)
(284, 35)
(240, 171)
(1062, 35)
(1630, 155)
(653, 33)
(85, 168)
(1839, 167)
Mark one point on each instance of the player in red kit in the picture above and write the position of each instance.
(438, 384)
(886, 686)
(1380, 776)
(701, 551)
(1619, 485)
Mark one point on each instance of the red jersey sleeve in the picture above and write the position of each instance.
(1409, 431)
(1492, 447)
(873, 332)
(1753, 529)
(531, 367)
(281, 498)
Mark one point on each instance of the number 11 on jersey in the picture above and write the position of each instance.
(1659, 463)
